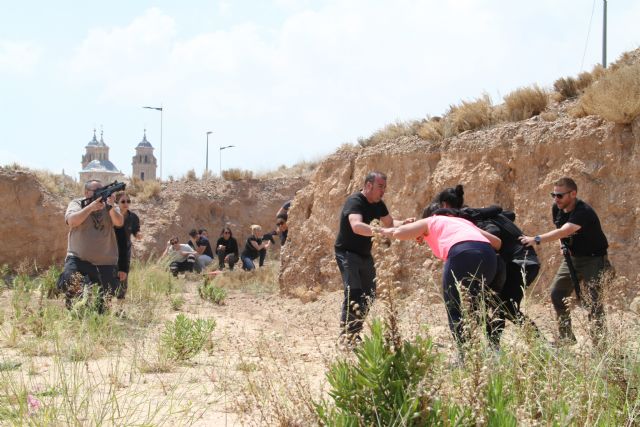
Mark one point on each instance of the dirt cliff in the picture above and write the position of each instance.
(513, 165)
(32, 226)
(211, 204)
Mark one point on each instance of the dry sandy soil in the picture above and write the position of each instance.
(269, 356)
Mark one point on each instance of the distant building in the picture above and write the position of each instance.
(144, 162)
(96, 163)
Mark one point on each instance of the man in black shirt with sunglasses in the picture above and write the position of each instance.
(578, 227)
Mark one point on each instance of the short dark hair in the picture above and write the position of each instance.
(283, 216)
(566, 182)
(202, 230)
(371, 176)
(193, 232)
(174, 240)
(454, 197)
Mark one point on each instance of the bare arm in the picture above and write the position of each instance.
(560, 233)
(495, 241)
(116, 217)
(408, 231)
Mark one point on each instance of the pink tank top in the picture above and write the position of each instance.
(446, 231)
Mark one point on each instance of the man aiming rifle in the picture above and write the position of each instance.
(578, 226)
(92, 251)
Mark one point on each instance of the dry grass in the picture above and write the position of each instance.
(525, 103)
(469, 115)
(570, 87)
(144, 190)
(236, 174)
(431, 129)
(615, 96)
(301, 169)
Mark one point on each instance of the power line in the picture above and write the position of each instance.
(586, 43)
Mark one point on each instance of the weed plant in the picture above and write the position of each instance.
(184, 338)
(210, 292)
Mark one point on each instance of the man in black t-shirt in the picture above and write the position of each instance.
(578, 226)
(353, 252)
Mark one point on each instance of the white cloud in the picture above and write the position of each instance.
(331, 73)
(18, 57)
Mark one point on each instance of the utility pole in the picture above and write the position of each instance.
(604, 34)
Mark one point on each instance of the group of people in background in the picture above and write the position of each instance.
(485, 255)
(197, 254)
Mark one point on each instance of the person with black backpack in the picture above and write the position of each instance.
(519, 266)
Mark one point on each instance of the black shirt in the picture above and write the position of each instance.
(590, 239)
(230, 246)
(203, 241)
(347, 240)
(123, 237)
(249, 251)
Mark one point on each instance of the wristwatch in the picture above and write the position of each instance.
(537, 239)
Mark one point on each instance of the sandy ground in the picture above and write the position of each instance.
(267, 351)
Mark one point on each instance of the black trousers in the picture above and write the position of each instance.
(358, 278)
(510, 298)
(78, 274)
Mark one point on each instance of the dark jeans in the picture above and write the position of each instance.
(470, 265)
(509, 299)
(263, 255)
(187, 265)
(78, 274)
(358, 278)
(590, 270)
(232, 259)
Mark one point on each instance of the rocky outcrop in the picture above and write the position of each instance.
(513, 165)
(32, 226)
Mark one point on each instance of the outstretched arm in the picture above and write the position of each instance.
(407, 231)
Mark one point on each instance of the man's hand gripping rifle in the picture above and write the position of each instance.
(103, 193)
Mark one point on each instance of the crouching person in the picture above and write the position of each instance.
(181, 256)
(92, 250)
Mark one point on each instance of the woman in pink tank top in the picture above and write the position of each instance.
(469, 254)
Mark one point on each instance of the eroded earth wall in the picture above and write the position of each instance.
(513, 165)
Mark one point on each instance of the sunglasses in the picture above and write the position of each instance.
(226, 232)
(559, 195)
(125, 201)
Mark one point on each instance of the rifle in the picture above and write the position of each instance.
(572, 269)
(104, 192)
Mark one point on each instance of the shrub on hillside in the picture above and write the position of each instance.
(525, 102)
(468, 116)
(236, 174)
(390, 132)
(144, 190)
(431, 129)
(569, 87)
(615, 96)
(191, 175)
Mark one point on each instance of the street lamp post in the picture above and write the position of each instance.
(223, 148)
(159, 109)
(206, 168)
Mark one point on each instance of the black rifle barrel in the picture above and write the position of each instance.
(572, 269)
(104, 192)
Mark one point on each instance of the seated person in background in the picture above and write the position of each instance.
(181, 257)
(227, 249)
(201, 245)
(282, 228)
(253, 247)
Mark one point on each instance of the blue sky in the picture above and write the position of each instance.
(282, 80)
